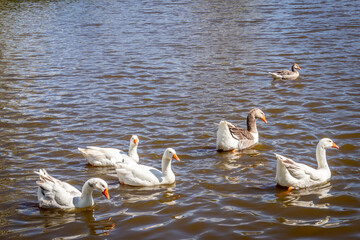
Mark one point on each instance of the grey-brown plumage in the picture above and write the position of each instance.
(287, 74)
(230, 137)
(240, 133)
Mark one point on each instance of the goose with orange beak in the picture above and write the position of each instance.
(142, 175)
(229, 137)
(53, 193)
(297, 175)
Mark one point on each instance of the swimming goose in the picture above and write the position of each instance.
(142, 175)
(104, 157)
(230, 137)
(297, 175)
(53, 193)
(287, 74)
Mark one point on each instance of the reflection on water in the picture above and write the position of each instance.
(319, 222)
(309, 197)
(164, 194)
(232, 160)
(55, 221)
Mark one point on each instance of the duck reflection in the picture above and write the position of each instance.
(305, 197)
(53, 219)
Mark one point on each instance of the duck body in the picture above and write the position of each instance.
(107, 157)
(142, 175)
(287, 74)
(53, 193)
(229, 137)
(297, 175)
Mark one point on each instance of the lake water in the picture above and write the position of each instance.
(78, 73)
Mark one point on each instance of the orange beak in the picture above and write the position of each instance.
(136, 141)
(106, 193)
(176, 157)
(264, 119)
(299, 68)
(334, 145)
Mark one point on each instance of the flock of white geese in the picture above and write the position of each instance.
(53, 193)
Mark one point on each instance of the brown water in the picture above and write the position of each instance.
(78, 73)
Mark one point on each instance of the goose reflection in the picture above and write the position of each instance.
(53, 219)
(230, 160)
(295, 197)
(133, 201)
(316, 222)
(169, 197)
(238, 169)
(162, 193)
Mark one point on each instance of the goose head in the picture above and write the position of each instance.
(257, 113)
(99, 184)
(134, 141)
(327, 143)
(170, 154)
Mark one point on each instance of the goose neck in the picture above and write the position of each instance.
(251, 123)
(133, 153)
(294, 69)
(166, 166)
(321, 157)
(86, 198)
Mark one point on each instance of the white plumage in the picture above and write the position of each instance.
(104, 157)
(298, 175)
(142, 175)
(53, 193)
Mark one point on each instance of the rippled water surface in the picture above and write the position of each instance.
(78, 73)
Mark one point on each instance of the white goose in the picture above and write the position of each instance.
(53, 193)
(105, 157)
(230, 137)
(287, 74)
(297, 175)
(141, 175)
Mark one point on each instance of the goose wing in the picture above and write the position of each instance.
(240, 133)
(138, 175)
(298, 170)
(108, 153)
(53, 192)
(284, 72)
(101, 156)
